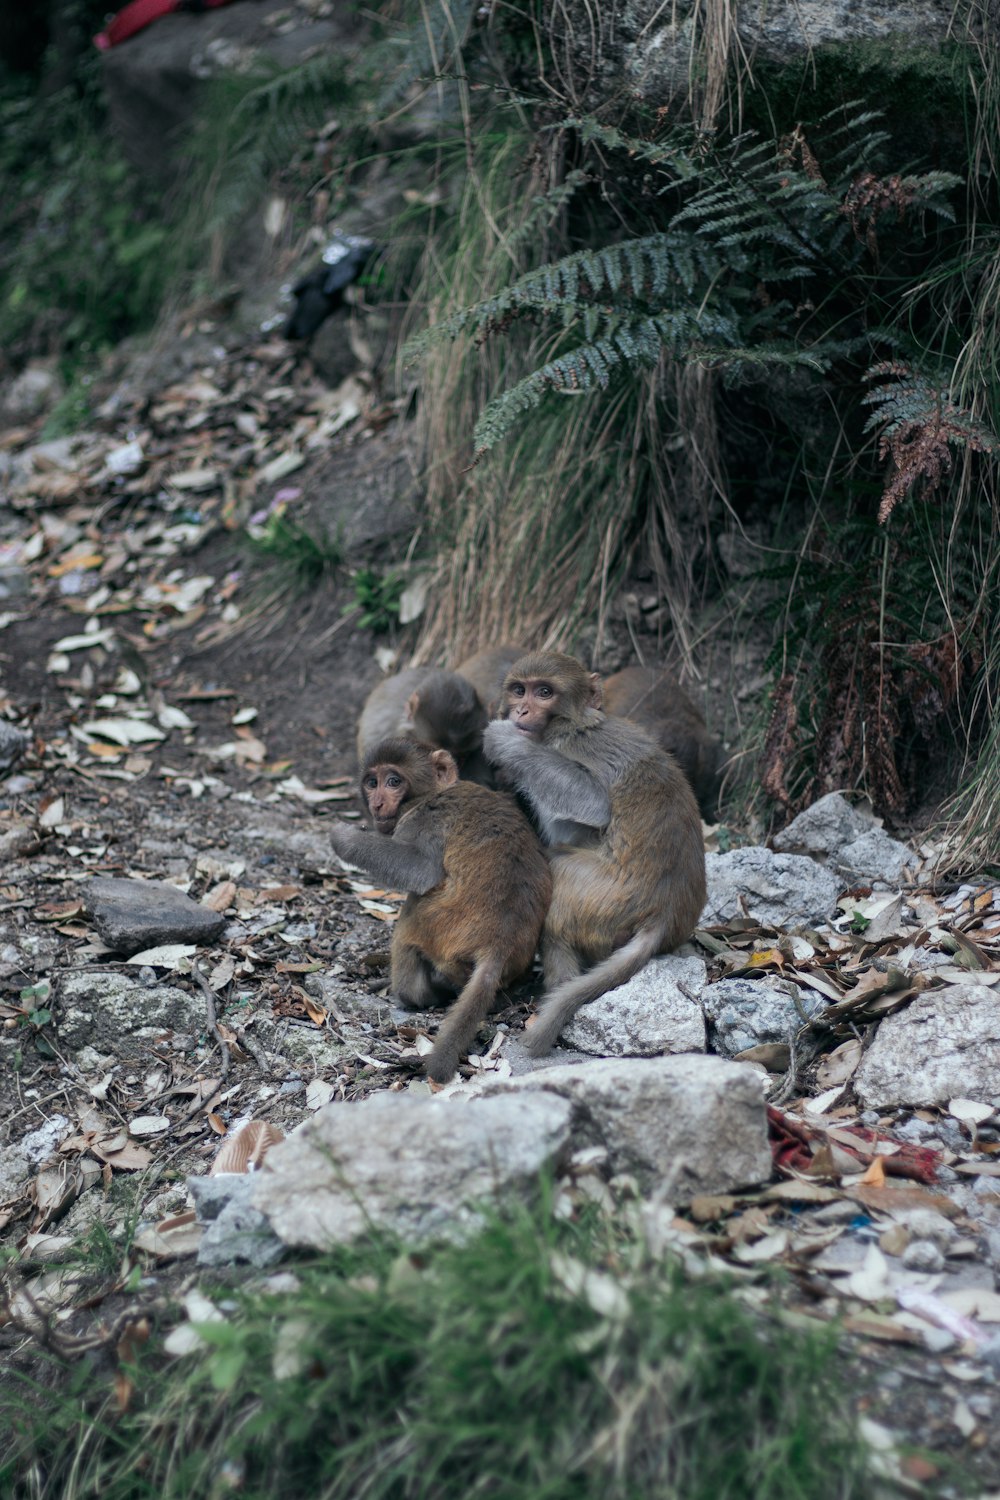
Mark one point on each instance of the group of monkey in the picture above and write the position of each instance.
(521, 802)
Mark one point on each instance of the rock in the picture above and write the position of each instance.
(131, 915)
(696, 1123)
(823, 828)
(744, 1013)
(117, 1014)
(652, 45)
(944, 1045)
(847, 839)
(14, 582)
(420, 1168)
(31, 393)
(656, 1012)
(923, 1255)
(157, 79)
(18, 1161)
(13, 743)
(777, 889)
(18, 839)
(876, 857)
(234, 1229)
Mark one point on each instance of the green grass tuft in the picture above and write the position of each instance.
(540, 1359)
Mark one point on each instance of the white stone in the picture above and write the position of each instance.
(945, 1043)
(691, 1124)
(419, 1167)
(774, 889)
(656, 1012)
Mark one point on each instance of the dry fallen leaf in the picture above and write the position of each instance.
(244, 1151)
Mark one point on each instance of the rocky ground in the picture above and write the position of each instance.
(175, 713)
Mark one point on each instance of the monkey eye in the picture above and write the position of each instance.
(516, 690)
(543, 690)
(370, 783)
(394, 781)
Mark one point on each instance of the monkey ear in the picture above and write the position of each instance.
(412, 706)
(596, 698)
(445, 769)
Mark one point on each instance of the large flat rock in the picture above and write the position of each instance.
(418, 1167)
(132, 915)
(689, 1124)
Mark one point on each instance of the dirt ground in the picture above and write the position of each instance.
(254, 689)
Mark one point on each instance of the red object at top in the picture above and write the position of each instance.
(140, 13)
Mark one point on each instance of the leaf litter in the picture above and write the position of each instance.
(275, 974)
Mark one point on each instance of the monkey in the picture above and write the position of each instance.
(487, 669)
(478, 881)
(439, 708)
(653, 698)
(622, 829)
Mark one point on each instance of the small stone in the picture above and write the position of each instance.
(745, 1013)
(13, 743)
(923, 1255)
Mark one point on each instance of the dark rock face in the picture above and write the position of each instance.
(156, 79)
(131, 915)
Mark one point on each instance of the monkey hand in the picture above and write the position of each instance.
(504, 744)
(346, 839)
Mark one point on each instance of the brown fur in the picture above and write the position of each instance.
(479, 887)
(628, 863)
(486, 671)
(653, 698)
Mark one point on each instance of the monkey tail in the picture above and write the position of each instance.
(467, 1014)
(561, 1006)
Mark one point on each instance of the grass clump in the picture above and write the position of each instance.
(539, 1359)
(304, 557)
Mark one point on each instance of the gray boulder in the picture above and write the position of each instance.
(656, 1012)
(847, 839)
(744, 1013)
(653, 45)
(420, 1168)
(131, 915)
(944, 1045)
(775, 890)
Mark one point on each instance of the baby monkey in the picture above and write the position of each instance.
(622, 826)
(478, 883)
(437, 707)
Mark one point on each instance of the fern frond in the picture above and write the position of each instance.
(916, 422)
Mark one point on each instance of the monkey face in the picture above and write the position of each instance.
(531, 703)
(385, 789)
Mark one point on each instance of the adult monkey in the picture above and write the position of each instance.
(652, 697)
(487, 669)
(622, 825)
(478, 883)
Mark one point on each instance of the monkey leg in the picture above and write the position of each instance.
(458, 1029)
(560, 960)
(410, 978)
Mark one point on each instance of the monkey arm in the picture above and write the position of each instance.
(394, 861)
(558, 786)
